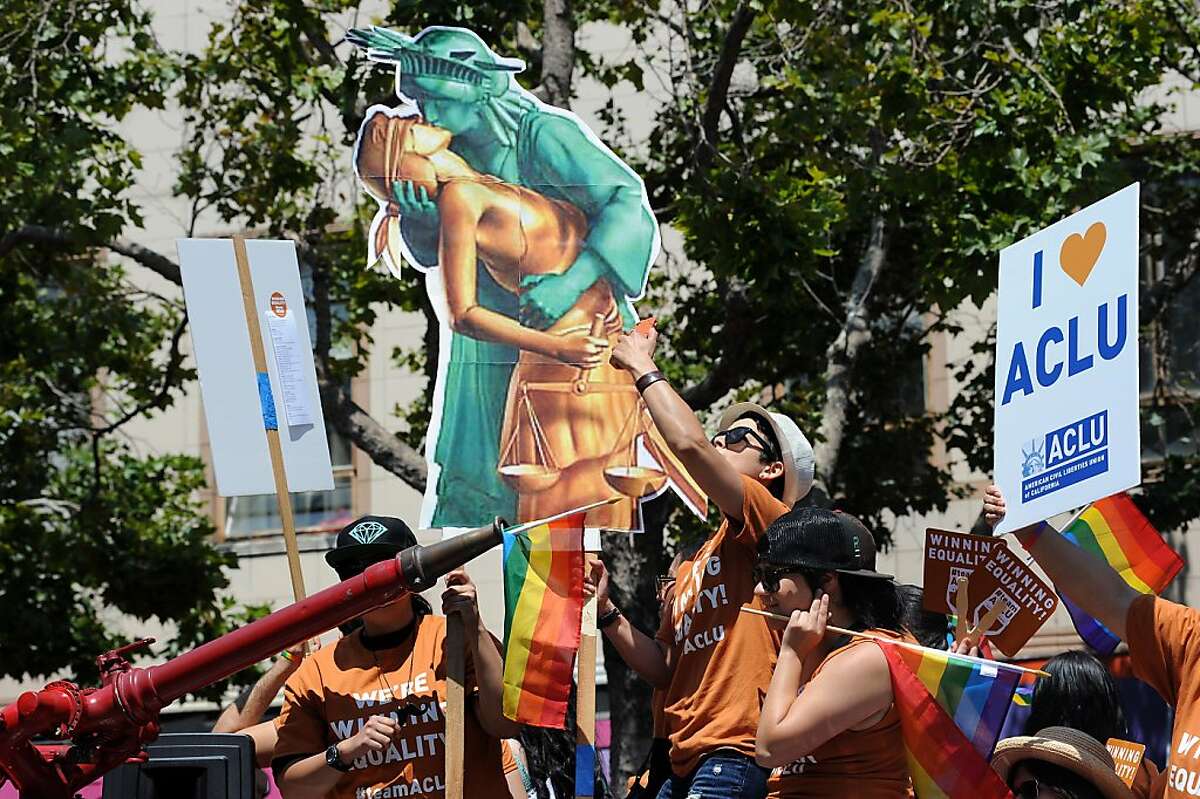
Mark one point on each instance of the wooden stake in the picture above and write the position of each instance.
(905, 644)
(962, 605)
(585, 705)
(456, 676)
(980, 630)
(259, 354)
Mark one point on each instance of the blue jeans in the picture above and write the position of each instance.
(719, 776)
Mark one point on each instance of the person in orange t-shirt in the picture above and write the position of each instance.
(829, 726)
(711, 661)
(1163, 637)
(364, 718)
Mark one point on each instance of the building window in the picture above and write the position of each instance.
(315, 511)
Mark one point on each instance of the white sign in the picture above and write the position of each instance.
(1067, 429)
(228, 382)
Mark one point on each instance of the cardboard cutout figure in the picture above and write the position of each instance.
(534, 239)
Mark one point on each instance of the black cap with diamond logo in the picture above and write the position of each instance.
(368, 540)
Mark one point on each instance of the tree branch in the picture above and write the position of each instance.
(727, 371)
(843, 352)
(718, 89)
(558, 53)
(380, 445)
(38, 234)
(1157, 298)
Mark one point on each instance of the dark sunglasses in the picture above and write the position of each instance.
(730, 438)
(663, 581)
(1031, 789)
(769, 576)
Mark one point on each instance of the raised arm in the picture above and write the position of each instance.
(233, 719)
(1082, 576)
(680, 428)
(845, 695)
(461, 597)
(650, 658)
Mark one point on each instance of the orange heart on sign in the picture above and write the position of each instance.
(1079, 254)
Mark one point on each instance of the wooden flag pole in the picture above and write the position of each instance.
(905, 644)
(273, 446)
(456, 675)
(962, 604)
(585, 705)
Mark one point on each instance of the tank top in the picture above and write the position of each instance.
(866, 764)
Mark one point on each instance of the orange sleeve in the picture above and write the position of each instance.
(301, 724)
(1164, 642)
(506, 757)
(666, 631)
(759, 509)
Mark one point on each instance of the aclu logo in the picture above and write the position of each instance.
(1064, 457)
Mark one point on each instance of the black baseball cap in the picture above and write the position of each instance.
(822, 540)
(367, 540)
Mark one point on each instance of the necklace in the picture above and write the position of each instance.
(409, 709)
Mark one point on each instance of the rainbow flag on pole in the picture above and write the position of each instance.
(951, 711)
(1116, 530)
(543, 599)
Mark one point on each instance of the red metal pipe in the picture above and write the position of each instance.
(122, 715)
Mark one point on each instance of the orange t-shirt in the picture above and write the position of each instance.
(658, 721)
(338, 688)
(1164, 647)
(723, 657)
(866, 763)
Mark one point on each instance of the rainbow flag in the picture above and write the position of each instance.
(1116, 530)
(951, 710)
(543, 603)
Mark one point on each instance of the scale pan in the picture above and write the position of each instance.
(635, 481)
(529, 478)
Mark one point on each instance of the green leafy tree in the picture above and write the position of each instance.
(87, 524)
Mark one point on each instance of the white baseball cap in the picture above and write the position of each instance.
(796, 453)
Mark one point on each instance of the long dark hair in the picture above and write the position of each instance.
(874, 603)
(929, 628)
(550, 755)
(1079, 693)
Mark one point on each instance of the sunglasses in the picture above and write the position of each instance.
(1032, 789)
(769, 576)
(734, 436)
(663, 582)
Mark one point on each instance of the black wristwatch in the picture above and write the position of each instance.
(333, 759)
(608, 618)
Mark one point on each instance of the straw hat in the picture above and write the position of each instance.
(796, 453)
(1067, 748)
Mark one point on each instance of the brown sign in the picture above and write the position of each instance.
(1004, 577)
(1127, 757)
(948, 556)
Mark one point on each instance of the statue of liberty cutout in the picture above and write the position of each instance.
(535, 239)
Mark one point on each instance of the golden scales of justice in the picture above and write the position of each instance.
(621, 471)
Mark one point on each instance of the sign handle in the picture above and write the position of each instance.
(269, 418)
(962, 606)
(456, 674)
(585, 705)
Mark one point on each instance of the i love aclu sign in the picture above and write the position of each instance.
(1067, 430)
